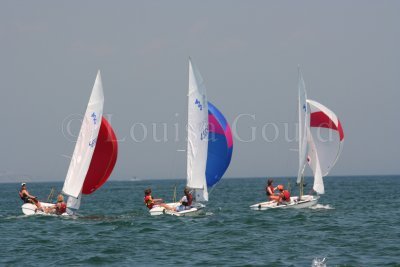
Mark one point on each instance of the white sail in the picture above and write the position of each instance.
(73, 204)
(314, 162)
(86, 142)
(304, 117)
(197, 145)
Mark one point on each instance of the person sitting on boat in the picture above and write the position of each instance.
(284, 195)
(270, 189)
(59, 208)
(186, 201)
(150, 202)
(27, 198)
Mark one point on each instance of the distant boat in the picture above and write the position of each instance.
(135, 179)
(94, 156)
(209, 147)
(320, 144)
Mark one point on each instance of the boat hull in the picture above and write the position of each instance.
(30, 209)
(305, 202)
(195, 210)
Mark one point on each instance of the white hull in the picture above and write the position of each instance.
(30, 209)
(196, 209)
(305, 202)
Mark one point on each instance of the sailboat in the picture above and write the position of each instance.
(94, 156)
(321, 139)
(209, 146)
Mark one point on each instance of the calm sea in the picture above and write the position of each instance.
(356, 223)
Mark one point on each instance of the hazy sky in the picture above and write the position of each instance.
(247, 52)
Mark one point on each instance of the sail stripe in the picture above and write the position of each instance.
(320, 119)
(214, 126)
(228, 135)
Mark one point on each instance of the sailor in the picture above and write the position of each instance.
(59, 208)
(284, 195)
(270, 191)
(27, 198)
(150, 202)
(186, 201)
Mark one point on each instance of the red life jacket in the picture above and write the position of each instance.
(189, 198)
(148, 200)
(61, 209)
(272, 190)
(24, 197)
(285, 195)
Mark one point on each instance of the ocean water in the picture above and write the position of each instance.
(356, 223)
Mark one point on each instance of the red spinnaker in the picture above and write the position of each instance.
(103, 160)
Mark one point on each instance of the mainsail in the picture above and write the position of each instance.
(304, 117)
(86, 142)
(197, 134)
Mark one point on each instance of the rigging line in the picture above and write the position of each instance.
(50, 196)
(174, 196)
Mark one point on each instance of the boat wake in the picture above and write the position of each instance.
(322, 207)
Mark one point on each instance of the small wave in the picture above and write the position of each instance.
(322, 207)
(318, 262)
(11, 217)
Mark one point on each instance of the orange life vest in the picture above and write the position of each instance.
(148, 200)
(285, 195)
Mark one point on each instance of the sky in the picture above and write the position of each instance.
(247, 53)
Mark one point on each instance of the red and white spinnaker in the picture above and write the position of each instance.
(325, 141)
(320, 138)
(95, 151)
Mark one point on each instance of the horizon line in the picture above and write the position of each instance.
(166, 179)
